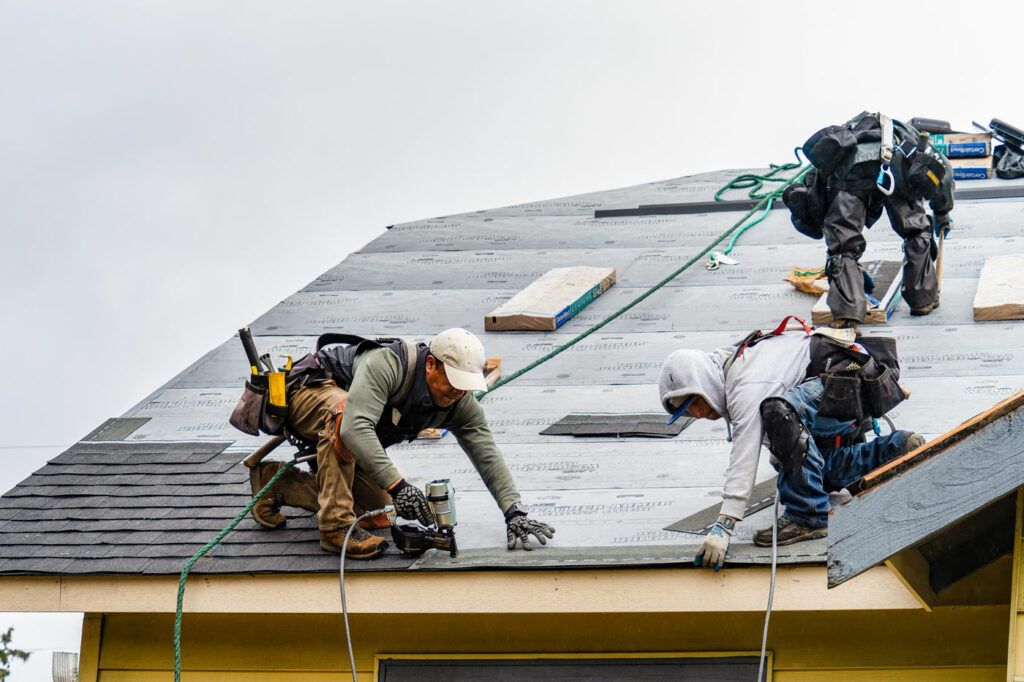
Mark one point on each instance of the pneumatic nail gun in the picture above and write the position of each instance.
(414, 539)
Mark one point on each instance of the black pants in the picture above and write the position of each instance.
(848, 214)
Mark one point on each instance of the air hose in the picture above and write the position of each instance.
(764, 203)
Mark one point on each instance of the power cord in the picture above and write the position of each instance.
(771, 589)
(341, 578)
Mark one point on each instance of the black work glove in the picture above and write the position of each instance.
(520, 527)
(411, 503)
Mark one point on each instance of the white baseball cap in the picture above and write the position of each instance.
(463, 358)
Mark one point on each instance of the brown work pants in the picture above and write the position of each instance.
(343, 489)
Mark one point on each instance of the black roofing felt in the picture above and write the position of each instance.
(168, 476)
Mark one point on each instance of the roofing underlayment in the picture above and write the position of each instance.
(141, 496)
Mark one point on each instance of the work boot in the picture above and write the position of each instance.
(788, 438)
(913, 442)
(375, 522)
(788, 533)
(925, 309)
(361, 545)
(845, 324)
(296, 488)
(266, 511)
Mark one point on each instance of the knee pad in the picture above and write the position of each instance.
(788, 438)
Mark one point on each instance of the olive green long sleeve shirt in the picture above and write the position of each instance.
(378, 375)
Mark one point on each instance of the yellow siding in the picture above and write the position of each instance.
(963, 643)
(1015, 648)
(994, 673)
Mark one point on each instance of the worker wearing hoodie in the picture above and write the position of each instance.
(694, 382)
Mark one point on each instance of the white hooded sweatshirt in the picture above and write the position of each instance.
(769, 368)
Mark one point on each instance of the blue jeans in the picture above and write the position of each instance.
(828, 469)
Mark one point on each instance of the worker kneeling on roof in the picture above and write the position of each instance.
(369, 401)
(813, 399)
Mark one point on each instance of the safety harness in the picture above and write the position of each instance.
(859, 376)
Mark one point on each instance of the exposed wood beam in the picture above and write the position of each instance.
(914, 572)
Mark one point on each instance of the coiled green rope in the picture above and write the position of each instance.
(765, 200)
(755, 182)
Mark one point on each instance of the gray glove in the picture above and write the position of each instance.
(411, 503)
(520, 527)
(716, 544)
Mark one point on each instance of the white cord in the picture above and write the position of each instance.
(771, 590)
(341, 574)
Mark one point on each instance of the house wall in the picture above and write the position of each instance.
(961, 643)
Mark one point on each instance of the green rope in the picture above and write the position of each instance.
(807, 273)
(755, 182)
(206, 548)
(565, 346)
(765, 202)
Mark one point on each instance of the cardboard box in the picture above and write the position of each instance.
(552, 300)
(972, 168)
(963, 144)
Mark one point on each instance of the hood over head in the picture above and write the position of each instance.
(689, 372)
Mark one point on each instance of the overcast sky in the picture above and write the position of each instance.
(171, 170)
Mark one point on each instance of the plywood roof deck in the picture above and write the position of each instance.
(144, 504)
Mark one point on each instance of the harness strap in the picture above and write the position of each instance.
(851, 185)
(411, 358)
(782, 326)
(887, 138)
(757, 335)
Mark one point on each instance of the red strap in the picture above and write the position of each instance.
(782, 326)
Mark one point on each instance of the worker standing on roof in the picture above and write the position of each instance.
(371, 401)
(866, 164)
(777, 386)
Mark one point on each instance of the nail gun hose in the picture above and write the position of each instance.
(341, 576)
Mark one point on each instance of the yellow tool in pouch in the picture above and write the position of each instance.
(277, 392)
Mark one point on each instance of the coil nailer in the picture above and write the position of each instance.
(414, 539)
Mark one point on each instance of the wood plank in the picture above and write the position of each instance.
(932, 495)
(1013, 648)
(89, 653)
(888, 277)
(551, 300)
(934, 447)
(913, 571)
(1000, 294)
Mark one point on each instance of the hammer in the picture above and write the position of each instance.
(257, 456)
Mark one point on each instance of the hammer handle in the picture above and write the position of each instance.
(256, 457)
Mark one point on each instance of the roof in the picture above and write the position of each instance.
(920, 497)
(141, 496)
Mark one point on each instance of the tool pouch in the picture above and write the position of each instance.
(829, 147)
(252, 414)
(880, 392)
(264, 402)
(841, 397)
(806, 203)
(925, 172)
